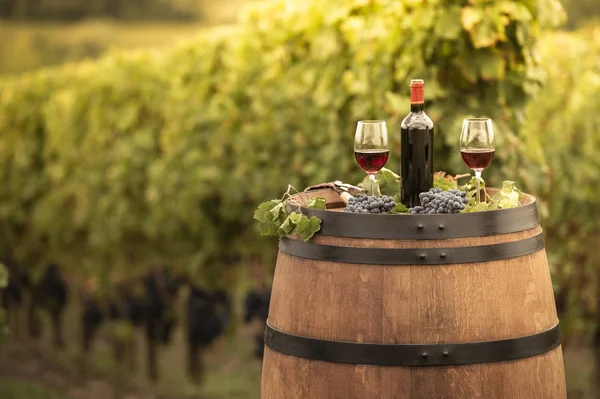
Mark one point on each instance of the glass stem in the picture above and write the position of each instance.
(478, 177)
(372, 181)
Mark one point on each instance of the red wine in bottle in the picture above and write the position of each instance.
(477, 158)
(371, 160)
(416, 148)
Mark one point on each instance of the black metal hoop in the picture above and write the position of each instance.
(412, 355)
(411, 256)
(425, 227)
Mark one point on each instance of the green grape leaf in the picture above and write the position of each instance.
(278, 213)
(400, 208)
(508, 197)
(263, 209)
(389, 182)
(317, 203)
(306, 228)
(471, 189)
(267, 219)
(296, 217)
(289, 224)
(483, 206)
(444, 181)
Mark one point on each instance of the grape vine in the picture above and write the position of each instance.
(275, 221)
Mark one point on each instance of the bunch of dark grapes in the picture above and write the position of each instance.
(369, 204)
(438, 201)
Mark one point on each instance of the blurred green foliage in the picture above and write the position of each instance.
(581, 11)
(562, 139)
(147, 156)
(27, 46)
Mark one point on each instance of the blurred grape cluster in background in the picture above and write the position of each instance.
(137, 137)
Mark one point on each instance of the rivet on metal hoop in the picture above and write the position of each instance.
(445, 354)
(424, 355)
(443, 255)
(420, 226)
(422, 256)
(441, 227)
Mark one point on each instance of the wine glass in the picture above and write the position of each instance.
(477, 146)
(371, 149)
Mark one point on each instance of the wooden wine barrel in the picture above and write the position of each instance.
(419, 306)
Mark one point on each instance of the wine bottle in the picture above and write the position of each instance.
(416, 148)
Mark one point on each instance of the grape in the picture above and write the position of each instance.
(91, 319)
(368, 204)
(208, 314)
(438, 201)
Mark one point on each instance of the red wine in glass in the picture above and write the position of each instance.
(477, 158)
(371, 161)
(477, 145)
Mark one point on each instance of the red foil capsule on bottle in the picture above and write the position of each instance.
(417, 91)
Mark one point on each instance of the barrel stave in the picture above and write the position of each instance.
(417, 303)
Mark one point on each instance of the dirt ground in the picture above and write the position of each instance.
(231, 370)
(34, 366)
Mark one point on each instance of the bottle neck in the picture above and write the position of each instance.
(417, 98)
(416, 108)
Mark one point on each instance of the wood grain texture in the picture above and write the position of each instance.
(457, 303)
(539, 377)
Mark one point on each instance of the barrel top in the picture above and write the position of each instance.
(424, 227)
